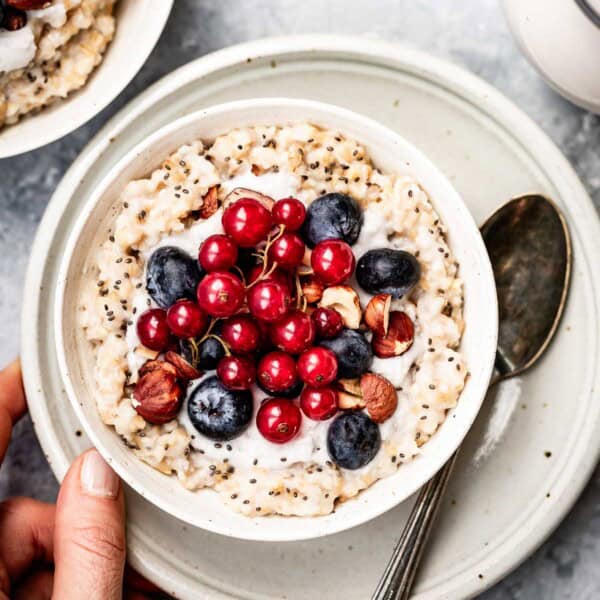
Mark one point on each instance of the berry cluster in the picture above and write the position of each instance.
(247, 308)
(258, 309)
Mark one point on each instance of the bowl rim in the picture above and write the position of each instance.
(13, 142)
(131, 476)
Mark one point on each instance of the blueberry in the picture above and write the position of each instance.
(171, 275)
(211, 351)
(333, 216)
(353, 440)
(388, 271)
(292, 392)
(353, 352)
(218, 413)
(205, 356)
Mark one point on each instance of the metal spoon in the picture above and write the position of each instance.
(530, 251)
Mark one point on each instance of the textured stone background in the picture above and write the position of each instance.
(472, 33)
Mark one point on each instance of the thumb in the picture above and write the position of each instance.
(89, 534)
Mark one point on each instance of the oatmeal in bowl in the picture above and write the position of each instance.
(270, 321)
(48, 49)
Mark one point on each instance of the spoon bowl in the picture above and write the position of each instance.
(530, 251)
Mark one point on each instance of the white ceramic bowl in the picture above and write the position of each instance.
(391, 153)
(139, 25)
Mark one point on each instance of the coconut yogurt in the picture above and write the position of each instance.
(253, 475)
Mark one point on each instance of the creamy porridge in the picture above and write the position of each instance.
(351, 337)
(48, 49)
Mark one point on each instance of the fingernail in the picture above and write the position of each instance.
(97, 478)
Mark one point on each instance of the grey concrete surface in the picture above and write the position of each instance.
(472, 33)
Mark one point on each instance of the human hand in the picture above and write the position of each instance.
(74, 550)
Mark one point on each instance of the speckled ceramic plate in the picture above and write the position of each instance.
(139, 25)
(537, 439)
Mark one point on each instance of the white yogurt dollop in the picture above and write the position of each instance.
(54, 15)
(276, 185)
(17, 49)
(191, 239)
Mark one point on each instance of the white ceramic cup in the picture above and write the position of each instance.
(562, 41)
(391, 153)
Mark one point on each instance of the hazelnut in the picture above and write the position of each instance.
(350, 394)
(345, 300)
(157, 365)
(239, 193)
(184, 369)
(312, 290)
(377, 313)
(399, 338)
(350, 401)
(158, 393)
(352, 386)
(379, 396)
(146, 352)
(210, 203)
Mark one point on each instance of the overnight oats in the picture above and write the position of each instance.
(48, 49)
(274, 318)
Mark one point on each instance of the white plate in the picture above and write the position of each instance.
(139, 25)
(500, 507)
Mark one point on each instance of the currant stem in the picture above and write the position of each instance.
(207, 333)
(241, 273)
(299, 292)
(222, 342)
(195, 352)
(263, 256)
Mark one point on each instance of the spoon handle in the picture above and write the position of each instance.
(397, 580)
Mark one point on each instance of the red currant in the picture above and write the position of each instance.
(241, 334)
(217, 253)
(278, 420)
(247, 222)
(265, 335)
(317, 366)
(287, 250)
(282, 277)
(236, 372)
(220, 294)
(319, 404)
(152, 329)
(268, 300)
(332, 261)
(289, 212)
(186, 319)
(277, 372)
(328, 322)
(293, 333)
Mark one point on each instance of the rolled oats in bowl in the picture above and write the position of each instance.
(48, 49)
(275, 318)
